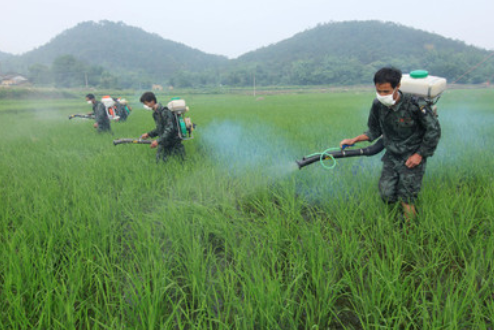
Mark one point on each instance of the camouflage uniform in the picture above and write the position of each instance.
(101, 117)
(407, 129)
(169, 143)
(120, 111)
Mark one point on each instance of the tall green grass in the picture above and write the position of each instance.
(94, 236)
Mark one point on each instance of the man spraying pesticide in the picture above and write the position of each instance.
(406, 121)
(109, 108)
(171, 127)
(102, 121)
(89, 115)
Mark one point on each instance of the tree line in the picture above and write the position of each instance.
(68, 72)
(114, 55)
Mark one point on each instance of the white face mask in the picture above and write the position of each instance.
(386, 100)
(147, 108)
(89, 102)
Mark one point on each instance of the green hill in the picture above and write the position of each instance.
(109, 54)
(4, 56)
(349, 52)
(367, 41)
(121, 49)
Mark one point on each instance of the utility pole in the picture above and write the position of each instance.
(85, 77)
(254, 75)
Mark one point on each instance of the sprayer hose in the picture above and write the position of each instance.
(325, 155)
(334, 153)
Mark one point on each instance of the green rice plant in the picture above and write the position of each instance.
(94, 236)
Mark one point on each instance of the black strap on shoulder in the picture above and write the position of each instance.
(423, 108)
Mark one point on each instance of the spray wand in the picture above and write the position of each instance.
(131, 141)
(326, 154)
(77, 115)
(334, 153)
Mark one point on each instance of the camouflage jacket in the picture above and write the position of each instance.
(120, 110)
(406, 127)
(166, 126)
(101, 117)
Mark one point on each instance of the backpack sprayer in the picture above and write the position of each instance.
(426, 91)
(110, 107)
(185, 126)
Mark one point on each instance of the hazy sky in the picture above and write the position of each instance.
(234, 27)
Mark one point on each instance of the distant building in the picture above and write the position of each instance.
(13, 80)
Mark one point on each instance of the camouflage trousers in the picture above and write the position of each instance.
(176, 149)
(400, 183)
(104, 127)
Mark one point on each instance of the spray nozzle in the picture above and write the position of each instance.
(334, 153)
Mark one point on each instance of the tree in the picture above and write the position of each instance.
(107, 80)
(68, 72)
(40, 74)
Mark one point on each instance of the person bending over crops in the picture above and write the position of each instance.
(102, 122)
(118, 110)
(168, 141)
(410, 134)
(122, 109)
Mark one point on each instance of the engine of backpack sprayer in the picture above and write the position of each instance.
(184, 124)
(110, 108)
(427, 91)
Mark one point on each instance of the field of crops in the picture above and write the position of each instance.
(96, 236)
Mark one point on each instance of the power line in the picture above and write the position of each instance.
(490, 79)
(474, 67)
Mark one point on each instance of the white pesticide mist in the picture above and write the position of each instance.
(28, 120)
(243, 149)
(466, 136)
(261, 155)
(49, 114)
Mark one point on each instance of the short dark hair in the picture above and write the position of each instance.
(148, 97)
(90, 96)
(388, 75)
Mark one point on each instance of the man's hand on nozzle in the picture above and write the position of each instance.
(145, 136)
(347, 142)
(154, 144)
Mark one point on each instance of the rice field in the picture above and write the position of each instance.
(97, 236)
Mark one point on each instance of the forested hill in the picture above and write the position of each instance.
(118, 48)
(5, 55)
(366, 41)
(108, 54)
(348, 52)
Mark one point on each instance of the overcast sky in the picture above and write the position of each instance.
(234, 27)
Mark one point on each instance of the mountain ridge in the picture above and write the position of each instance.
(330, 53)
